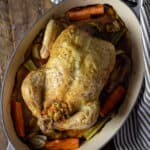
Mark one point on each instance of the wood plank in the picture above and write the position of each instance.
(18, 18)
(6, 43)
(47, 4)
(6, 46)
(34, 11)
(23, 14)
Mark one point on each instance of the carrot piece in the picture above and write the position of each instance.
(17, 114)
(112, 100)
(65, 144)
(85, 12)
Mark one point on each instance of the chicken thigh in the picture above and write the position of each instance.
(65, 93)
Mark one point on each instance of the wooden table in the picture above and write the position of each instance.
(16, 17)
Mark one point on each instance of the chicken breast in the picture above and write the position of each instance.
(65, 94)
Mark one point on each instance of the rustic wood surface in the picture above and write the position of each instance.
(16, 17)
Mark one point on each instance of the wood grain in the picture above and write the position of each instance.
(6, 43)
(16, 17)
(23, 15)
(6, 46)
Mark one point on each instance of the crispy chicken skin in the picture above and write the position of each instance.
(65, 94)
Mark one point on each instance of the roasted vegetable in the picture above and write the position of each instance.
(66, 144)
(120, 73)
(93, 130)
(117, 36)
(36, 141)
(113, 27)
(29, 65)
(112, 101)
(85, 12)
(120, 52)
(17, 114)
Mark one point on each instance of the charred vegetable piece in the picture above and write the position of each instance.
(39, 37)
(53, 29)
(17, 114)
(117, 36)
(85, 12)
(96, 25)
(120, 52)
(120, 73)
(66, 144)
(112, 101)
(37, 141)
(113, 27)
(32, 124)
(29, 65)
(105, 19)
(109, 10)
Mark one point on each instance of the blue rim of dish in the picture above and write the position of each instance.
(12, 58)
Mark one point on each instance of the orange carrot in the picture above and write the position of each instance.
(65, 144)
(17, 114)
(85, 12)
(112, 101)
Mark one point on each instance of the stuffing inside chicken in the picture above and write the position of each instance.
(65, 93)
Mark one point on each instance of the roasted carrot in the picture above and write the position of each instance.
(65, 144)
(17, 114)
(112, 100)
(85, 12)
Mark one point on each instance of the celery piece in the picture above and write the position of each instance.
(88, 134)
(92, 131)
(120, 52)
(94, 24)
(29, 65)
(113, 27)
(117, 36)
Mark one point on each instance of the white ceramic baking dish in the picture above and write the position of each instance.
(17, 58)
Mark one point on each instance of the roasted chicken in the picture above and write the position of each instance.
(65, 93)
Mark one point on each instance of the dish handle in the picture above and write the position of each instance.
(10, 147)
(56, 1)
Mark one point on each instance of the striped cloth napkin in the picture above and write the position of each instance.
(135, 133)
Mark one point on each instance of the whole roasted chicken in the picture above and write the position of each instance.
(65, 93)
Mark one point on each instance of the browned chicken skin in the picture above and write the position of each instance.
(65, 94)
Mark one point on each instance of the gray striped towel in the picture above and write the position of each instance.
(135, 133)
